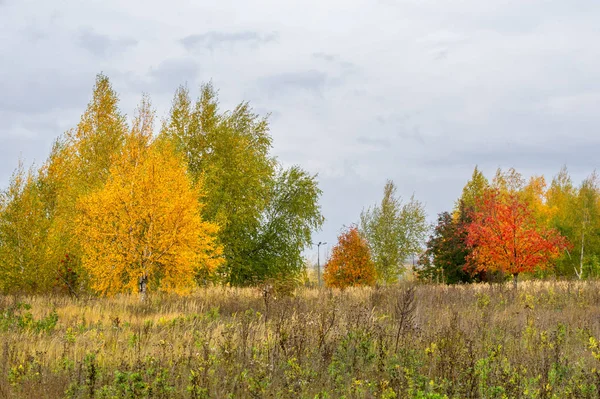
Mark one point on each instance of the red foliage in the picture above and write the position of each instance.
(350, 263)
(504, 235)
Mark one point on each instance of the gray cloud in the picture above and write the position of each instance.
(176, 69)
(282, 83)
(15, 125)
(162, 79)
(212, 40)
(102, 45)
(413, 134)
(441, 55)
(44, 91)
(29, 143)
(533, 158)
(343, 67)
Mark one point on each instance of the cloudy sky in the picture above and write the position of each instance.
(418, 91)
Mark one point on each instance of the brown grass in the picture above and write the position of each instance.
(425, 341)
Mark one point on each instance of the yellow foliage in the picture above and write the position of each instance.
(79, 164)
(22, 235)
(146, 222)
(534, 194)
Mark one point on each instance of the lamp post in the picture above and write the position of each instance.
(319, 262)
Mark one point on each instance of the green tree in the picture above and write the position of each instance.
(394, 231)
(587, 221)
(286, 229)
(245, 195)
(471, 192)
(574, 212)
(23, 230)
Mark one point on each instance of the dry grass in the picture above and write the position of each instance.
(476, 341)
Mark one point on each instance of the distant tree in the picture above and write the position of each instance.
(575, 213)
(446, 254)
(561, 198)
(394, 231)
(143, 228)
(504, 235)
(471, 192)
(509, 181)
(534, 195)
(586, 220)
(350, 263)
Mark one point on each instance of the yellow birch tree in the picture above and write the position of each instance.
(144, 225)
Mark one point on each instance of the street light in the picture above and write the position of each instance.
(319, 262)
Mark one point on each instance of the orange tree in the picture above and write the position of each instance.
(504, 235)
(350, 263)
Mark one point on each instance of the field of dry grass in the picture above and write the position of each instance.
(423, 341)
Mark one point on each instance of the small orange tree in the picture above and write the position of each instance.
(504, 235)
(350, 263)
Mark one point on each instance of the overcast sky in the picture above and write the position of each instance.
(418, 91)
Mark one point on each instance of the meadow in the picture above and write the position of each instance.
(404, 341)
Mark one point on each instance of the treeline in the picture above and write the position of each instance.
(510, 225)
(498, 229)
(117, 208)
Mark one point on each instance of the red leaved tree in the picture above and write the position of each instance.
(505, 236)
(350, 263)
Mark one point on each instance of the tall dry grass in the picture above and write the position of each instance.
(423, 341)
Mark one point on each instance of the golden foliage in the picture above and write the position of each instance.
(146, 221)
